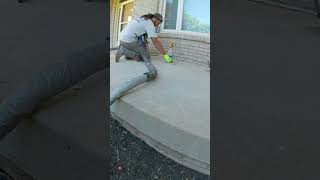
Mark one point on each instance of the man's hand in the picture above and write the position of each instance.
(160, 48)
(167, 58)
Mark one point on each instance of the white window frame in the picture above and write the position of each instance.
(179, 20)
(120, 17)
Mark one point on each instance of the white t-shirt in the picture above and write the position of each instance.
(135, 28)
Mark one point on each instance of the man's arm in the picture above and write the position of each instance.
(160, 48)
(158, 45)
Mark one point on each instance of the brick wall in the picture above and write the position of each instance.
(145, 6)
(193, 48)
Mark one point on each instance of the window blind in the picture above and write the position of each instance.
(171, 14)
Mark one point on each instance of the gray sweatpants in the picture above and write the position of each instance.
(137, 51)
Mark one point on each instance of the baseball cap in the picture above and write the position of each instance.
(158, 16)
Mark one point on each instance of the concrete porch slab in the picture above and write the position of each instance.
(171, 113)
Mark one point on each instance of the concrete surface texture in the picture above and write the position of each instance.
(171, 113)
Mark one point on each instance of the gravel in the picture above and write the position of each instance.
(133, 159)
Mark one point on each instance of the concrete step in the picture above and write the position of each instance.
(171, 113)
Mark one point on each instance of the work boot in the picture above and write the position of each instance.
(119, 53)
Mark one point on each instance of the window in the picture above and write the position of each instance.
(171, 14)
(187, 15)
(126, 14)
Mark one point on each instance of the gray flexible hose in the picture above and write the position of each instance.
(50, 82)
(127, 86)
(117, 93)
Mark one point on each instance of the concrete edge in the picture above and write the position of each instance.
(165, 150)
